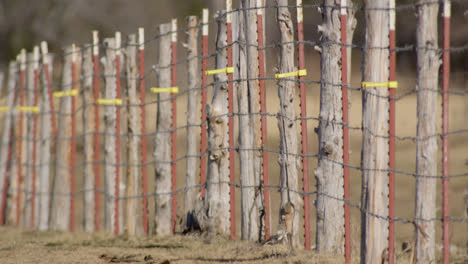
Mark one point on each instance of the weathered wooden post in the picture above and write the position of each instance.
(110, 103)
(291, 202)
(88, 117)
(133, 129)
(45, 142)
(35, 167)
(29, 168)
(6, 147)
(162, 141)
(329, 173)
(193, 104)
(217, 188)
(428, 59)
(248, 98)
(61, 191)
(20, 139)
(374, 196)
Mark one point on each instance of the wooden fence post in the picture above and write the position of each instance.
(29, 166)
(133, 129)
(329, 173)
(61, 183)
(162, 142)
(428, 59)
(88, 117)
(250, 136)
(35, 167)
(21, 141)
(217, 189)
(6, 147)
(374, 196)
(110, 137)
(193, 103)
(45, 144)
(291, 202)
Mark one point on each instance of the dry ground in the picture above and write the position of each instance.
(52, 247)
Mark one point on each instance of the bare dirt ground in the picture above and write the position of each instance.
(54, 247)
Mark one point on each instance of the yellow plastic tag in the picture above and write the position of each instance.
(73, 92)
(225, 70)
(302, 72)
(392, 84)
(165, 90)
(109, 101)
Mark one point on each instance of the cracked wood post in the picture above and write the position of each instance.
(217, 187)
(132, 212)
(374, 195)
(7, 135)
(45, 148)
(193, 104)
(288, 160)
(250, 135)
(428, 60)
(329, 172)
(162, 141)
(110, 168)
(88, 117)
(60, 210)
(29, 166)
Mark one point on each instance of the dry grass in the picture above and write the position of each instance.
(52, 247)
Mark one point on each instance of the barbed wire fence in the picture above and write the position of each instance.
(55, 150)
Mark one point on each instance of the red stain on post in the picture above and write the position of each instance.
(231, 122)
(34, 154)
(96, 132)
(174, 126)
(445, 130)
(345, 109)
(304, 139)
(203, 137)
(117, 135)
(391, 147)
(73, 144)
(20, 140)
(261, 76)
(141, 73)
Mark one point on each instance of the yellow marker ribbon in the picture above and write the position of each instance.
(392, 84)
(4, 109)
(174, 89)
(225, 70)
(109, 101)
(73, 92)
(302, 72)
(28, 109)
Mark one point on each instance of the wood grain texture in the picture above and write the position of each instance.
(374, 195)
(427, 83)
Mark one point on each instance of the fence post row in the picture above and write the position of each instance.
(29, 199)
